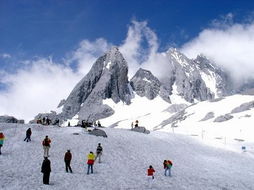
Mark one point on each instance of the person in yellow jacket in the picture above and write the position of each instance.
(90, 162)
(1, 141)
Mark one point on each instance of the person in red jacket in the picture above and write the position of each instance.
(46, 145)
(150, 175)
(67, 160)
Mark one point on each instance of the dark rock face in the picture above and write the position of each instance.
(243, 107)
(108, 78)
(10, 119)
(174, 108)
(223, 118)
(144, 83)
(209, 115)
(188, 77)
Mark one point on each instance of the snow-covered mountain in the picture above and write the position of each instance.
(106, 79)
(107, 94)
(187, 81)
(194, 80)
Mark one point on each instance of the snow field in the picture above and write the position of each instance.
(126, 157)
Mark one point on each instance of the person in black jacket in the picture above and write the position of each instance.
(28, 135)
(67, 160)
(46, 169)
(99, 152)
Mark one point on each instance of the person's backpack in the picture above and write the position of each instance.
(46, 142)
(169, 163)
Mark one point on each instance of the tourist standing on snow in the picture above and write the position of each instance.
(46, 145)
(90, 162)
(46, 169)
(28, 135)
(99, 152)
(150, 175)
(167, 166)
(1, 141)
(136, 123)
(67, 160)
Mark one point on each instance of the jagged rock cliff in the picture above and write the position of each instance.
(108, 78)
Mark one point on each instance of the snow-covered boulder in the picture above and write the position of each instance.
(10, 119)
(98, 132)
(140, 130)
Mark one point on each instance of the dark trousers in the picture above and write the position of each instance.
(0, 148)
(46, 178)
(68, 166)
(90, 166)
(28, 138)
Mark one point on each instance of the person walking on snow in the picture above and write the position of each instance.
(150, 175)
(46, 145)
(67, 160)
(99, 152)
(90, 162)
(46, 169)
(167, 166)
(1, 141)
(28, 135)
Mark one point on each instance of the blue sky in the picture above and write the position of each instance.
(47, 46)
(54, 27)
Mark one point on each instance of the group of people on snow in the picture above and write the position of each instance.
(86, 124)
(91, 158)
(46, 168)
(167, 164)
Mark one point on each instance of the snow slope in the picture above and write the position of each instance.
(126, 156)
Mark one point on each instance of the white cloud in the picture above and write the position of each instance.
(5, 56)
(137, 55)
(87, 53)
(229, 44)
(36, 88)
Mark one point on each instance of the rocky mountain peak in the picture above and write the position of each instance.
(108, 78)
(144, 83)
